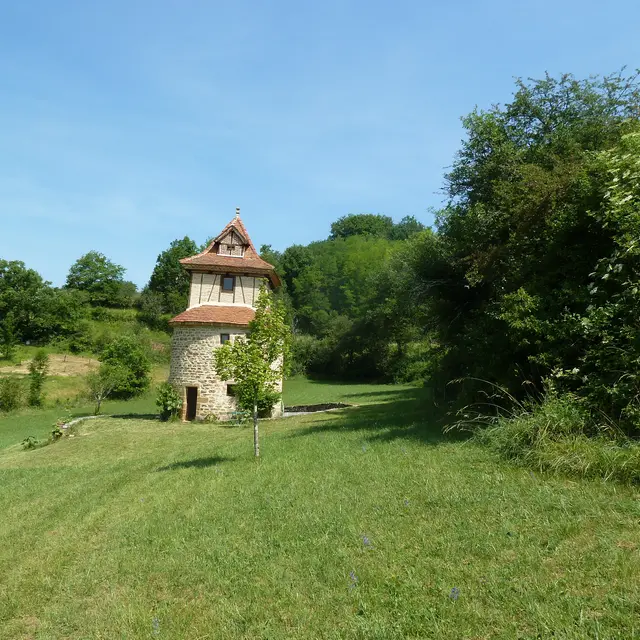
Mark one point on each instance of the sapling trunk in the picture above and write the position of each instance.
(256, 442)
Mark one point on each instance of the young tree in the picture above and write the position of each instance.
(256, 364)
(102, 383)
(100, 278)
(38, 368)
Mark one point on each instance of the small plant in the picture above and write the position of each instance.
(169, 401)
(30, 443)
(56, 432)
(38, 368)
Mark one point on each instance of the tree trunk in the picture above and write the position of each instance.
(256, 442)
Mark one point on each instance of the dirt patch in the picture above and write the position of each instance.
(59, 365)
(311, 408)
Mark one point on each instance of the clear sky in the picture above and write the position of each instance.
(127, 124)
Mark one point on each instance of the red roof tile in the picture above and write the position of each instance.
(215, 314)
(250, 262)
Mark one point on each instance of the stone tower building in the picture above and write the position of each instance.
(225, 282)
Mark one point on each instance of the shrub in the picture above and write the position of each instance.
(169, 401)
(30, 442)
(38, 368)
(127, 354)
(11, 393)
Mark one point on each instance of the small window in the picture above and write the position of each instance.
(230, 248)
(231, 390)
(228, 282)
(224, 337)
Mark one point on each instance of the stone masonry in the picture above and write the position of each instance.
(192, 366)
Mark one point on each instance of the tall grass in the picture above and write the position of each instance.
(557, 434)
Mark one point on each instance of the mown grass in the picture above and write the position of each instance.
(360, 523)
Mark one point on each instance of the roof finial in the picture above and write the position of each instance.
(237, 212)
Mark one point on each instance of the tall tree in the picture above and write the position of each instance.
(509, 271)
(257, 363)
(169, 281)
(101, 279)
(362, 224)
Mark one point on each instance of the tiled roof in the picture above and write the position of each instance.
(250, 262)
(215, 314)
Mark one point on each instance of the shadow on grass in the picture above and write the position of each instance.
(135, 416)
(197, 463)
(411, 413)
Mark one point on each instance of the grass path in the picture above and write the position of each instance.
(362, 523)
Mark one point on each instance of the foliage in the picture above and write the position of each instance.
(30, 443)
(129, 359)
(11, 393)
(559, 435)
(100, 279)
(38, 368)
(169, 401)
(258, 363)
(102, 384)
(362, 224)
(8, 339)
(506, 282)
(169, 282)
(609, 369)
(30, 309)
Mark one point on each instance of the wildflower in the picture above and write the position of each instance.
(406, 502)
(354, 580)
(155, 624)
(455, 593)
(366, 542)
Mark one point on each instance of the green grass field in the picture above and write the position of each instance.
(360, 523)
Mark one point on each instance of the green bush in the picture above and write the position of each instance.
(38, 368)
(127, 354)
(11, 393)
(169, 401)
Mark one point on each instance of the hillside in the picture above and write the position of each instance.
(361, 523)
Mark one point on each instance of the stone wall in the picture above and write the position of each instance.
(192, 366)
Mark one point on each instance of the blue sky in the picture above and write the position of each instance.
(125, 125)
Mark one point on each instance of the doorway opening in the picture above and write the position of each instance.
(192, 403)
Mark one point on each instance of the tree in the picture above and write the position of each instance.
(96, 275)
(362, 224)
(129, 356)
(506, 279)
(101, 384)
(8, 336)
(169, 280)
(38, 368)
(257, 363)
(406, 228)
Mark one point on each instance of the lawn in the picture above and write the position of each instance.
(359, 523)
